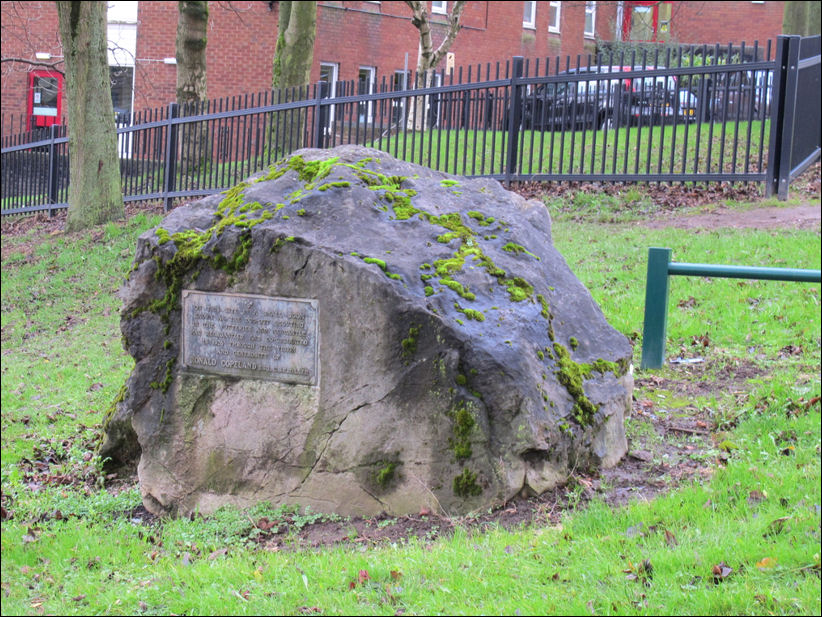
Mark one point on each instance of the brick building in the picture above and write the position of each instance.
(364, 42)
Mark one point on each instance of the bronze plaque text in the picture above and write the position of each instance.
(251, 336)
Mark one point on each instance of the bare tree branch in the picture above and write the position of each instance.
(52, 65)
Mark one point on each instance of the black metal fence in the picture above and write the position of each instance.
(687, 114)
(796, 138)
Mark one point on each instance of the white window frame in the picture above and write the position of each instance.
(532, 23)
(590, 9)
(121, 49)
(332, 90)
(368, 117)
(400, 77)
(440, 8)
(435, 104)
(554, 27)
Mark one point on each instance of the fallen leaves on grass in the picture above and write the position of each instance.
(642, 572)
(721, 571)
(767, 563)
(776, 526)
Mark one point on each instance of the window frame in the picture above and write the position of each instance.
(365, 112)
(532, 24)
(439, 7)
(555, 27)
(590, 9)
(332, 90)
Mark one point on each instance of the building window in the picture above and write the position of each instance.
(529, 13)
(590, 19)
(439, 7)
(365, 85)
(121, 32)
(642, 23)
(330, 74)
(647, 20)
(122, 93)
(664, 21)
(553, 16)
(401, 81)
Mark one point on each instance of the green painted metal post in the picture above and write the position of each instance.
(660, 268)
(656, 309)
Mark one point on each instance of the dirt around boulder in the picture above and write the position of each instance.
(805, 216)
(671, 444)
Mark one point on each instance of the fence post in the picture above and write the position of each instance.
(320, 116)
(52, 179)
(656, 308)
(171, 155)
(514, 120)
(783, 116)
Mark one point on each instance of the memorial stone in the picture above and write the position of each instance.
(358, 334)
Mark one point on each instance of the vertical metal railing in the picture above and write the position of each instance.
(697, 114)
(796, 130)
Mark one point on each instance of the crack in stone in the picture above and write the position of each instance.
(337, 428)
(301, 268)
(374, 497)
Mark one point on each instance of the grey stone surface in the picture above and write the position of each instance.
(459, 361)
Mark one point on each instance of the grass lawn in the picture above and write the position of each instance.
(691, 148)
(746, 540)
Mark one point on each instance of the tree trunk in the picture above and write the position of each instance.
(293, 57)
(192, 33)
(94, 175)
(427, 57)
(801, 18)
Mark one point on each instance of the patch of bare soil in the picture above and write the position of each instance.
(41, 224)
(805, 216)
(675, 449)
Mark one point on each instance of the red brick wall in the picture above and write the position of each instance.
(726, 22)
(353, 35)
(154, 81)
(27, 28)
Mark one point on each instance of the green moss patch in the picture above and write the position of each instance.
(471, 313)
(572, 375)
(397, 200)
(464, 423)
(382, 266)
(511, 247)
(465, 484)
(409, 345)
(385, 474)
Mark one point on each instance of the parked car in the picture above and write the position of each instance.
(607, 99)
(657, 99)
(572, 103)
(741, 94)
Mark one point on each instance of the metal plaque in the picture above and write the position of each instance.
(251, 336)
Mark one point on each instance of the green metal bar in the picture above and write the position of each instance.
(745, 272)
(660, 267)
(656, 308)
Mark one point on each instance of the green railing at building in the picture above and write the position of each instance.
(660, 267)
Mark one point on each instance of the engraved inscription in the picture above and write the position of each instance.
(245, 335)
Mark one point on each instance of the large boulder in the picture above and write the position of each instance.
(360, 334)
